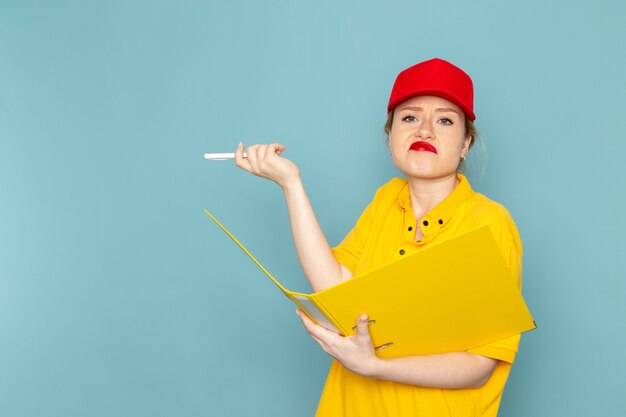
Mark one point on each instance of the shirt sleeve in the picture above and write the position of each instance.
(359, 240)
(506, 235)
(349, 251)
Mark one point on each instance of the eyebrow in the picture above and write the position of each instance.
(438, 109)
(447, 109)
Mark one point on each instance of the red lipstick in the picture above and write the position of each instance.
(423, 146)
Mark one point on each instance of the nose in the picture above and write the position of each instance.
(424, 130)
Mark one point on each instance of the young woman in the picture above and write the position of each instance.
(430, 131)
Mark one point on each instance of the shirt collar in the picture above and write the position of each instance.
(443, 212)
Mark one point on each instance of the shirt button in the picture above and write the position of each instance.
(425, 222)
(401, 251)
(410, 228)
(440, 221)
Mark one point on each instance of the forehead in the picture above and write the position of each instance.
(429, 102)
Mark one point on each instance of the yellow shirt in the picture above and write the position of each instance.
(386, 231)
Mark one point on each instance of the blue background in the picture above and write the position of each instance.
(119, 297)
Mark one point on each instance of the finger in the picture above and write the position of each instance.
(270, 150)
(277, 148)
(317, 331)
(240, 161)
(306, 321)
(362, 325)
(264, 151)
(308, 325)
(260, 158)
(322, 345)
(319, 341)
(253, 158)
(363, 330)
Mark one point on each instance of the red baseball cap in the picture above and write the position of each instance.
(434, 77)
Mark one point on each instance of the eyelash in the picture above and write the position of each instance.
(445, 120)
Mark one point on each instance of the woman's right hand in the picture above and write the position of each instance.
(265, 161)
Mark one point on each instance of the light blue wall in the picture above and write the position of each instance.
(118, 297)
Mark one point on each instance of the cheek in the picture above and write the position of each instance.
(392, 139)
(395, 145)
(457, 141)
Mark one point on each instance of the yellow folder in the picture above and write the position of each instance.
(452, 296)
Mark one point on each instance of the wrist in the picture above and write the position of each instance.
(292, 185)
(373, 368)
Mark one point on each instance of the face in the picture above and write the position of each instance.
(427, 138)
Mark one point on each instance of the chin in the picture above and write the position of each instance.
(429, 174)
(425, 170)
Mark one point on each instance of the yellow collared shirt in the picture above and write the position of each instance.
(384, 232)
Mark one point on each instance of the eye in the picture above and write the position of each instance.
(446, 121)
(409, 118)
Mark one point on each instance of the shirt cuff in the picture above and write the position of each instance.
(504, 350)
(345, 259)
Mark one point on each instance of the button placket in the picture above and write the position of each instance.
(426, 223)
(408, 231)
(430, 227)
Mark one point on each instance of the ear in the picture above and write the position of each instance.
(467, 142)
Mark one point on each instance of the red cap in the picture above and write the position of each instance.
(434, 77)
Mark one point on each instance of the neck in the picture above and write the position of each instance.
(427, 193)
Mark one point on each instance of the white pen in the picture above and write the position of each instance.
(221, 156)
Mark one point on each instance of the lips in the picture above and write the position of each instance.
(423, 146)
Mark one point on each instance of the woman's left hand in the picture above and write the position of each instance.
(355, 353)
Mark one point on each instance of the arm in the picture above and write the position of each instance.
(452, 370)
(318, 263)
